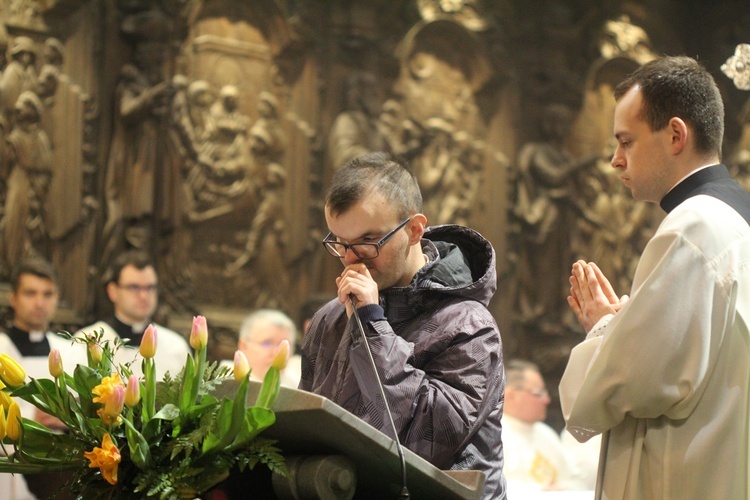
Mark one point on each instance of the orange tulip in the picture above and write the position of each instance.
(107, 459)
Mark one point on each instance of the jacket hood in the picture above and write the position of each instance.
(462, 264)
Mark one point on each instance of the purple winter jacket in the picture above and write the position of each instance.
(438, 352)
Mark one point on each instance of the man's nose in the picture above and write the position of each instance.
(350, 257)
(618, 159)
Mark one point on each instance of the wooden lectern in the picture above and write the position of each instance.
(333, 454)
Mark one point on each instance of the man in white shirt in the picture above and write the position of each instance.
(260, 335)
(664, 375)
(535, 459)
(34, 298)
(133, 288)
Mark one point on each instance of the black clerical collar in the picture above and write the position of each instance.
(690, 186)
(125, 331)
(26, 346)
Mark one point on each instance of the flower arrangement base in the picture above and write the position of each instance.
(50, 484)
(256, 483)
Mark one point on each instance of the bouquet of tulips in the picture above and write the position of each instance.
(139, 437)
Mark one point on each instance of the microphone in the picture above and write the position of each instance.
(404, 493)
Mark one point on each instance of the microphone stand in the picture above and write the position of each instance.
(404, 493)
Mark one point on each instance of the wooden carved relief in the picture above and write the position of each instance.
(46, 190)
(570, 204)
(199, 168)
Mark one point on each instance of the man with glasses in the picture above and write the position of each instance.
(133, 289)
(537, 460)
(421, 294)
(260, 335)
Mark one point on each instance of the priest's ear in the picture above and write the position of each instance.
(679, 134)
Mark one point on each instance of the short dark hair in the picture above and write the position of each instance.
(680, 86)
(375, 172)
(136, 258)
(34, 266)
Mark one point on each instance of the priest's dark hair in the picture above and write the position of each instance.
(136, 258)
(35, 266)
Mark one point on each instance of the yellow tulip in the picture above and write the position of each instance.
(282, 355)
(13, 423)
(241, 366)
(199, 333)
(148, 342)
(5, 400)
(3, 424)
(96, 352)
(55, 363)
(13, 374)
(107, 459)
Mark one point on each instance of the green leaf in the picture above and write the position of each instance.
(221, 427)
(269, 390)
(168, 412)
(186, 391)
(256, 420)
(85, 381)
(40, 442)
(6, 466)
(140, 452)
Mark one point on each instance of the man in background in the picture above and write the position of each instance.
(34, 299)
(260, 335)
(133, 289)
(535, 457)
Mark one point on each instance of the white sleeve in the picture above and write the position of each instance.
(654, 355)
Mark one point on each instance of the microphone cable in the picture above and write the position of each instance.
(404, 493)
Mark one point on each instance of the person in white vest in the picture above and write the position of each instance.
(133, 288)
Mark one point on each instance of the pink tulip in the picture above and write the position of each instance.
(113, 407)
(241, 366)
(133, 392)
(55, 363)
(148, 342)
(282, 355)
(199, 333)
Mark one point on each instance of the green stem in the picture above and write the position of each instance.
(201, 355)
(149, 390)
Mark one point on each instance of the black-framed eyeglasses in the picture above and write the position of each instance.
(135, 288)
(364, 251)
